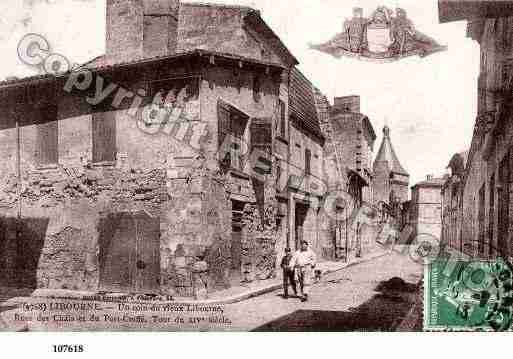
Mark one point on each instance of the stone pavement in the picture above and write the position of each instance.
(227, 296)
(370, 295)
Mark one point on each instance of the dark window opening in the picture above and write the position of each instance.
(481, 221)
(308, 161)
(104, 136)
(256, 88)
(233, 123)
(47, 139)
(283, 119)
(503, 207)
(491, 215)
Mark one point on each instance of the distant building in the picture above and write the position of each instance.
(391, 181)
(352, 143)
(426, 207)
(452, 201)
(348, 151)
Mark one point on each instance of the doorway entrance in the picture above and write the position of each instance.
(300, 217)
(130, 253)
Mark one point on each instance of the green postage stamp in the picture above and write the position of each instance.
(465, 294)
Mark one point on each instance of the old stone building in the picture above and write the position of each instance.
(391, 180)
(158, 168)
(426, 207)
(486, 228)
(306, 188)
(452, 201)
(348, 151)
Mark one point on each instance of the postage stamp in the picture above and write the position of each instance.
(468, 295)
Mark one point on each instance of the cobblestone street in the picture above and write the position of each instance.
(371, 296)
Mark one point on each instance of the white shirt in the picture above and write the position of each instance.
(303, 258)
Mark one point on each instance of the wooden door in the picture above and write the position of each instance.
(130, 253)
(117, 253)
(148, 254)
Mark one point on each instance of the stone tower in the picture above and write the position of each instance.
(390, 177)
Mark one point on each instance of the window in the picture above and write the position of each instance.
(481, 221)
(47, 152)
(282, 125)
(503, 207)
(491, 214)
(232, 122)
(256, 88)
(308, 160)
(104, 136)
(278, 176)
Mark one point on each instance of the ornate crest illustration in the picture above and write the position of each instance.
(383, 36)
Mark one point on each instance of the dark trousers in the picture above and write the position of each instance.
(288, 278)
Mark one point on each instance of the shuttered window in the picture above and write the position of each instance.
(231, 122)
(282, 118)
(261, 139)
(308, 162)
(256, 88)
(47, 146)
(104, 136)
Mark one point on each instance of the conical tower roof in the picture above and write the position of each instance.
(386, 153)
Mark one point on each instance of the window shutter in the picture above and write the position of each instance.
(261, 139)
(261, 134)
(308, 161)
(256, 88)
(223, 128)
(104, 136)
(283, 117)
(223, 123)
(47, 136)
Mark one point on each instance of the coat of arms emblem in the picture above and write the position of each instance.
(384, 35)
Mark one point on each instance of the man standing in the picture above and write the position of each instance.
(288, 274)
(303, 261)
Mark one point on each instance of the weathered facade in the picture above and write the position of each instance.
(391, 180)
(452, 201)
(174, 190)
(347, 163)
(486, 228)
(426, 208)
(305, 181)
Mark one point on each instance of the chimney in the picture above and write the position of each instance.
(160, 27)
(138, 29)
(347, 104)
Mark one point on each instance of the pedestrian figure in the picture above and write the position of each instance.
(288, 274)
(303, 262)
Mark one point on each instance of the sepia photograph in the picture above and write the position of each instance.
(255, 166)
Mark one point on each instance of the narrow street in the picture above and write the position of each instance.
(371, 296)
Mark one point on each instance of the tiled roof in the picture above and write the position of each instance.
(458, 162)
(98, 64)
(386, 153)
(434, 182)
(302, 103)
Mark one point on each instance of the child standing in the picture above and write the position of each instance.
(288, 274)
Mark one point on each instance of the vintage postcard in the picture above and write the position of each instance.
(255, 165)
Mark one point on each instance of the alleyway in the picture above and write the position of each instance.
(370, 296)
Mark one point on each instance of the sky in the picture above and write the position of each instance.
(429, 104)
